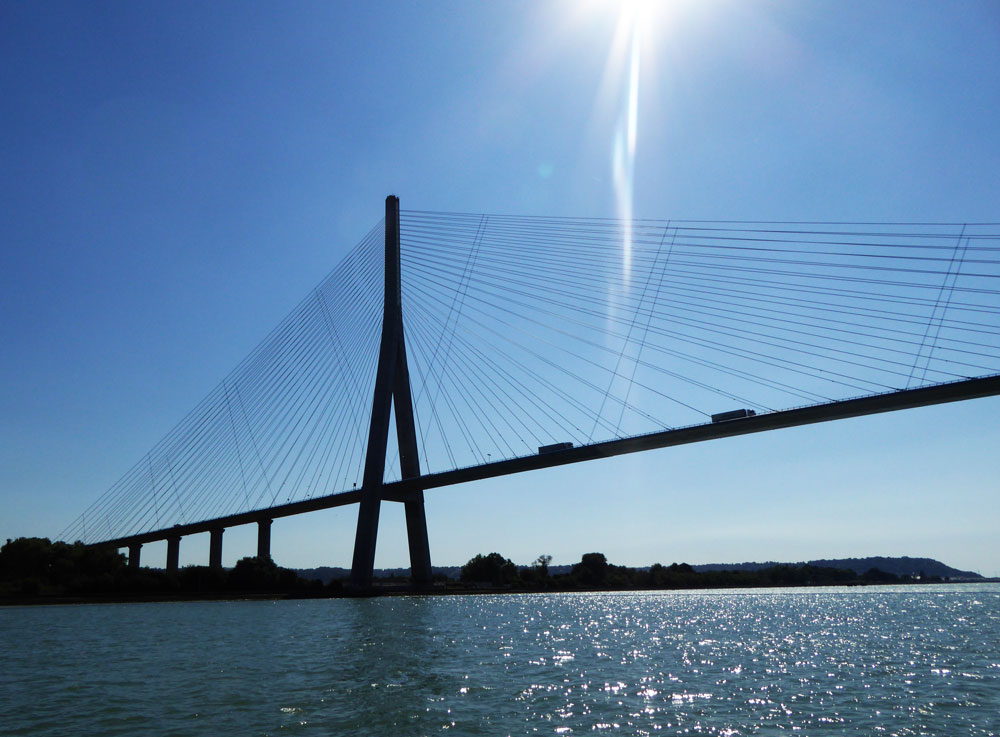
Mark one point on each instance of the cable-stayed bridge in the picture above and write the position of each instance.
(448, 347)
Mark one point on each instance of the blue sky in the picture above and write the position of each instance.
(176, 176)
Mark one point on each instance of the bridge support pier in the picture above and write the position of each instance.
(392, 388)
(133, 554)
(420, 549)
(215, 548)
(173, 553)
(264, 538)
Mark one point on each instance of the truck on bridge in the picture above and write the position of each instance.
(554, 447)
(736, 414)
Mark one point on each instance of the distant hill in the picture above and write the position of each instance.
(903, 566)
(899, 566)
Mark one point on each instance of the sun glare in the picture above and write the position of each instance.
(635, 17)
(639, 27)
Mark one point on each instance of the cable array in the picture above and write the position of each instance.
(527, 331)
(288, 423)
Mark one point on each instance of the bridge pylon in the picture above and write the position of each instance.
(392, 390)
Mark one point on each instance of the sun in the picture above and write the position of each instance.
(642, 12)
(636, 19)
(639, 29)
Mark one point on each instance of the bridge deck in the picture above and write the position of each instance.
(402, 490)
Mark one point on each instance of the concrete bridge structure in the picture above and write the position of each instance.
(393, 397)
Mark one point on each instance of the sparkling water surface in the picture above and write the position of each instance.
(916, 660)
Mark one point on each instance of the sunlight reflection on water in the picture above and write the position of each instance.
(894, 661)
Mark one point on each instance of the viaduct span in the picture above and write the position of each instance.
(393, 397)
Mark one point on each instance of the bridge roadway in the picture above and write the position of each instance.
(403, 490)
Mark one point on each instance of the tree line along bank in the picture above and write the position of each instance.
(36, 569)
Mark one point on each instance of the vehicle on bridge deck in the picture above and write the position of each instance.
(554, 447)
(736, 414)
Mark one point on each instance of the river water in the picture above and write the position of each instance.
(917, 660)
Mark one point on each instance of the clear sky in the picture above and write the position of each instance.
(177, 176)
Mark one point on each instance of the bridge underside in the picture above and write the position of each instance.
(522, 331)
(410, 488)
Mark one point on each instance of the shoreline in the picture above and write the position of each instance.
(403, 590)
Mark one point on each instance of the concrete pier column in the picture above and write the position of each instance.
(173, 553)
(133, 554)
(215, 548)
(264, 538)
(391, 396)
(416, 533)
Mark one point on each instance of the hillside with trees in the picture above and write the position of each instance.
(34, 568)
(594, 572)
(900, 566)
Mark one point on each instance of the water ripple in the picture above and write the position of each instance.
(893, 661)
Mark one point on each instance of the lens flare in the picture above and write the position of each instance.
(626, 136)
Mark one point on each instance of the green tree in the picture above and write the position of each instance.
(43, 563)
(541, 565)
(877, 575)
(254, 573)
(492, 568)
(27, 557)
(592, 569)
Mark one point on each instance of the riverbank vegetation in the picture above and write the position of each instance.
(594, 572)
(36, 569)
